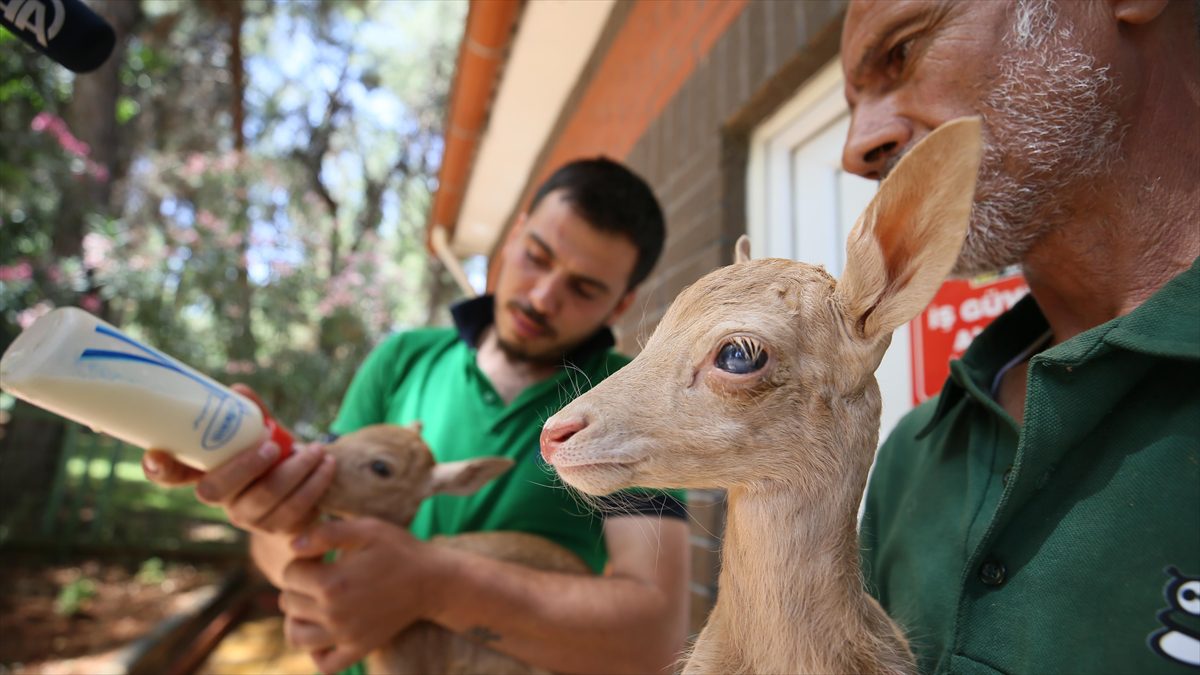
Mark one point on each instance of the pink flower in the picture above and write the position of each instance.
(240, 367)
(90, 302)
(97, 171)
(58, 128)
(41, 121)
(185, 235)
(19, 272)
(25, 318)
(196, 165)
(206, 220)
(96, 251)
(73, 145)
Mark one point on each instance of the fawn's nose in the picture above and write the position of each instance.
(554, 434)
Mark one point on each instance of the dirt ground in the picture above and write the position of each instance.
(257, 647)
(72, 617)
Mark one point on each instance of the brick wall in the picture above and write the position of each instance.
(647, 51)
(694, 154)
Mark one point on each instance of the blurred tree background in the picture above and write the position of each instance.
(243, 185)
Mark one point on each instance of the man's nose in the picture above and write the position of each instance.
(555, 433)
(544, 295)
(876, 135)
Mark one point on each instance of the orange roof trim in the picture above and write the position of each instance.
(481, 57)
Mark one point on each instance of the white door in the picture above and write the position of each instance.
(802, 205)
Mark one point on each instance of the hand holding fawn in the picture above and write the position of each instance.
(386, 471)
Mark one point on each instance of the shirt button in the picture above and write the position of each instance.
(1007, 475)
(992, 573)
(489, 398)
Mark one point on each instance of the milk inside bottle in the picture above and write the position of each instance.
(74, 364)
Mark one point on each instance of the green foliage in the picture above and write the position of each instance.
(152, 572)
(32, 166)
(279, 265)
(72, 597)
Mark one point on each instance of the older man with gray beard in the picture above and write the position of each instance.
(1043, 513)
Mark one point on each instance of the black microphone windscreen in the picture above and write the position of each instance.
(67, 31)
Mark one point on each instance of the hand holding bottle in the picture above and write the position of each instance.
(257, 491)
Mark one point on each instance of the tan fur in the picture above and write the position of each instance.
(357, 490)
(792, 442)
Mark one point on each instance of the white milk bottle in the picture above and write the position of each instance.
(72, 363)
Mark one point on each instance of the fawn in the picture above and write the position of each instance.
(386, 471)
(760, 380)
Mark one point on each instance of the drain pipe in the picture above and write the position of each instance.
(441, 247)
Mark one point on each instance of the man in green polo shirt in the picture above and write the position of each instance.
(484, 387)
(1043, 513)
(433, 376)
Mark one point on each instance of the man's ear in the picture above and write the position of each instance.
(623, 304)
(906, 241)
(467, 476)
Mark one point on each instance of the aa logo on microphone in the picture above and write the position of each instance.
(42, 18)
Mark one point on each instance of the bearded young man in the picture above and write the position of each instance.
(593, 233)
(1043, 513)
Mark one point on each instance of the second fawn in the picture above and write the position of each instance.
(386, 471)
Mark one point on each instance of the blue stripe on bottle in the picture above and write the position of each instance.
(226, 416)
(106, 354)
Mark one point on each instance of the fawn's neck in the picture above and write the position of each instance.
(791, 595)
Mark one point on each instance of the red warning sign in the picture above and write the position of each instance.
(958, 313)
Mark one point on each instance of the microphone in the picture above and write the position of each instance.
(67, 31)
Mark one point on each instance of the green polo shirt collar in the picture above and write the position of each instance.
(1166, 325)
(1153, 327)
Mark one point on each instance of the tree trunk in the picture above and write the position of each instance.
(29, 453)
(92, 116)
(32, 442)
(244, 346)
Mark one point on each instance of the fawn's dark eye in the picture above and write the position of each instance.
(741, 356)
(381, 469)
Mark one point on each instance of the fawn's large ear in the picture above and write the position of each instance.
(741, 250)
(906, 241)
(467, 476)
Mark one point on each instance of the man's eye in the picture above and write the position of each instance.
(584, 293)
(897, 56)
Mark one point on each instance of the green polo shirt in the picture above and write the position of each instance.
(1070, 544)
(431, 375)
